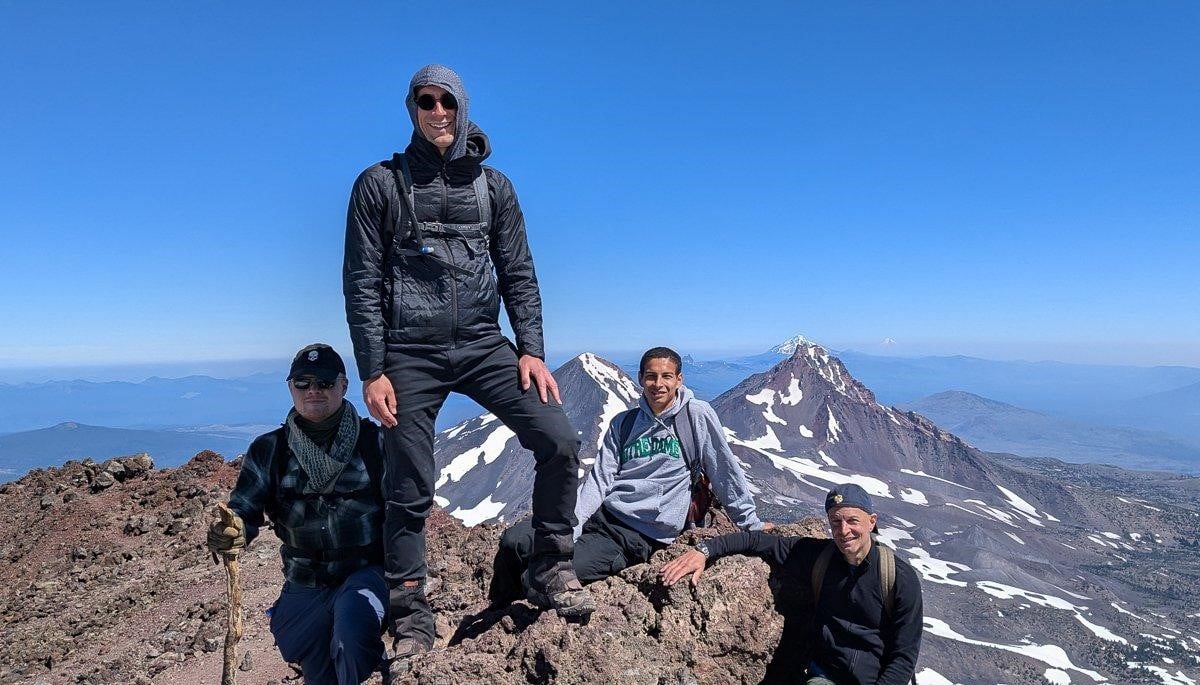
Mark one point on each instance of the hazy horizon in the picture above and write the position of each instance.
(237, 368)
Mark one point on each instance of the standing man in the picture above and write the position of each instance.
(867, 619)
(638, 495)
(317, 478)
(434, 241)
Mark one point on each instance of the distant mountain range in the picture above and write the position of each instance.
(1159, 399)
(1033, 570)
(69, 440)
(999, 427)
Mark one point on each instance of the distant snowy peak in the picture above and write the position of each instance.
(809, 358)
(608, 376)
(787, 347)
(806, 356)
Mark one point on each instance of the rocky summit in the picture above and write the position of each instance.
(109, 583)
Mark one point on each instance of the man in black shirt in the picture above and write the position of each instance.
(866, 627)
(435, 241)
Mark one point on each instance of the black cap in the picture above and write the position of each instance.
(318, 360)
(849, 495)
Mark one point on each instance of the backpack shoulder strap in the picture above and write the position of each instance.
(483, 199)
(625, 429)
(687, 442)
(402, 177)
(818, 570)
(887, 578)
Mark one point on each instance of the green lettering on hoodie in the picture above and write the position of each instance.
(647, 446)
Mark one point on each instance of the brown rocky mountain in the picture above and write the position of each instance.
(106, 581)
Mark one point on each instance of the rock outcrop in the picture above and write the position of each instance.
(113, 585)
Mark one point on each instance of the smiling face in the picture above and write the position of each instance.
(316, 404)
(851, 528)
(437, 124)
(660, 383)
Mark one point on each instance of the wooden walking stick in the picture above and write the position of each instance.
(233, 587)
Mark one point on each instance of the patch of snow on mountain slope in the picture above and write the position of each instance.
(807, 467)
(492, 447)
(619, 391)
(926, 475)
(766, 398)
(928, 676)
(1051, 655)
(479, 513)
(890, 536)
(834, 427)
(935, 570)
(1168, 678)
(1009, 592)
(793, 395)
(913, 496)
(1031, 512)
(767, 442)
(1101, 632)
(1055, 676)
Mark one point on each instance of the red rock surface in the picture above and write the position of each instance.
(105, 580)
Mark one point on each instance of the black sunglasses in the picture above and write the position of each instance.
(427, 101)
(304, 383)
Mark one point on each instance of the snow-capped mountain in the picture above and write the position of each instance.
(1033, 571)
(789, 346)
(483, 472)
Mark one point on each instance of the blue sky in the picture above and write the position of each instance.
(1007, 180)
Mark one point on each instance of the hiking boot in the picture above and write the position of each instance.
(411, 621)
(551, 583)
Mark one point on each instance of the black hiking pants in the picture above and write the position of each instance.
(487, 373)
(605, 547)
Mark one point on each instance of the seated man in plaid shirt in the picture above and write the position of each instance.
(317, 477)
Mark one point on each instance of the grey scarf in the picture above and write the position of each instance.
(323, 468)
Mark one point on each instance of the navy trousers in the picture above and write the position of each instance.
(487, 373)
(334, 633)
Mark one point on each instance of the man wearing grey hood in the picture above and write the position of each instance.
(636, 498)
(434, 241)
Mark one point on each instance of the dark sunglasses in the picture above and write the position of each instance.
(304, 383)
(427, 101)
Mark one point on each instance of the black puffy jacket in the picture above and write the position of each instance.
(424, 305)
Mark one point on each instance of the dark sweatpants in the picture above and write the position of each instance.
(334, 633)
(487, 373)
(605, 547)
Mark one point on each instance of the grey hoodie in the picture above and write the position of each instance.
(648, 485)
(438, 75)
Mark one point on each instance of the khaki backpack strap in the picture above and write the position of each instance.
(818, 571)
(887, 578)
(688, 444)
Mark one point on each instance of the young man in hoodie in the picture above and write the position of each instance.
(635, 499)
(434, 241)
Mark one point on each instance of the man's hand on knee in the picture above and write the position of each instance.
(531, 369)
(380, 397)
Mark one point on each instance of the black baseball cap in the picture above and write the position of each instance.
(318, 360)
(849, 495)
